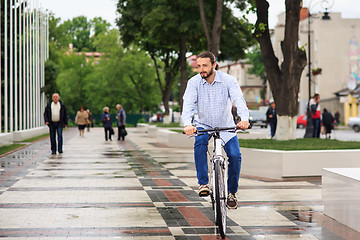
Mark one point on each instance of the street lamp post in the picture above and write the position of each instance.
(309, 124)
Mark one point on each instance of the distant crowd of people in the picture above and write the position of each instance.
(322, 122)
(56, 118)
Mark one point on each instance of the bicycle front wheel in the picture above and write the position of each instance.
(220, 198)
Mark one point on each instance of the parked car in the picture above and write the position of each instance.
(258, 118)
(354, 123)
(301, 121)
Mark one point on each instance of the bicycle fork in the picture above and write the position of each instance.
(218, 156)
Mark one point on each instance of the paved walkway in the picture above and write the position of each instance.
(140, 189)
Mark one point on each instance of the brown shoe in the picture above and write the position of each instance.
(231, 201)
(204, 190)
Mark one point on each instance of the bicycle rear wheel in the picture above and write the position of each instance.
(220, 199)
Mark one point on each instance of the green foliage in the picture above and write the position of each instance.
(125, 77)
(51, 73)
(72, 81)
(141, 120)
(256, 60)
(158, 27)
(78, 31)
(235, 38)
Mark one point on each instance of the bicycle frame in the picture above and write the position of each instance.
(218, 177)
(218, 156)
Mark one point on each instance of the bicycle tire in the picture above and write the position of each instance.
(220, 199)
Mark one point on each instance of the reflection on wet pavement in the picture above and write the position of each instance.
(139, 189)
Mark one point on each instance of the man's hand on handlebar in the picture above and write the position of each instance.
(243, 125)
(190, 130)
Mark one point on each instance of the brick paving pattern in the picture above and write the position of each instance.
(140, 189)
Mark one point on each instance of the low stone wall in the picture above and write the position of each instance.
(9, 138)
(341, 195)
(277, 164)
(29, 133)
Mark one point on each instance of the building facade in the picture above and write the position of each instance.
(253, 87)
(24, 50)
(335, 60)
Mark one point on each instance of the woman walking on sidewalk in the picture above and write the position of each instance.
(107, 124)
(121, 119)
(81, 120)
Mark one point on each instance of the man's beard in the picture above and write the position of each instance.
(208, 75)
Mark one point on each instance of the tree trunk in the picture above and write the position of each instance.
(183, 68)
(170, 67)
(213, 37)
(167, 91)
(284, 82)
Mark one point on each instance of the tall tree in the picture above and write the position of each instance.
(72, 80)
(284, 79)
(212, 36)
(217, 20)
(165, 30)
(125, 77)
(168, 29)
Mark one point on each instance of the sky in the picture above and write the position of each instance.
(67, 9)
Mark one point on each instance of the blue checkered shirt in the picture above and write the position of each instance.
(209, 105)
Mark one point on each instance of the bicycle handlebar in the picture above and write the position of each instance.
(217, 129)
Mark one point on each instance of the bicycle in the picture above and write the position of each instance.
(218, 177)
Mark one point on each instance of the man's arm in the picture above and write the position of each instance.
(189, 104)
(46, 119)
(237, 98)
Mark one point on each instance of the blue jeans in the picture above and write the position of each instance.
(317, 126)
(232, 150)
(56, 127)
(272, 128)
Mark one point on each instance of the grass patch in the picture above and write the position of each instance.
(169, 125)
(299, 144)
(8, 148)
(33, 139)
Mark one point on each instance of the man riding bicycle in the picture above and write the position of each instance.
(212, 93)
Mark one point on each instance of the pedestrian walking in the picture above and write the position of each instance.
(337, 118)
(314, 107)
(55, 117)
(81, 120)
(121, 120)
(271, 118)
(107, 124)
(328, 122)
(90, 120)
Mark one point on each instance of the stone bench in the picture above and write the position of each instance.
(341, 195)
(277, 164)
(142, 127)
(6, 139)
(174, 139)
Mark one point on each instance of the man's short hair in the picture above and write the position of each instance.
(208, 54)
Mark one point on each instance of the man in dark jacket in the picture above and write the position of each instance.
(55, 116)
(271, 118)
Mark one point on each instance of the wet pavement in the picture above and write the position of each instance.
(141, 189)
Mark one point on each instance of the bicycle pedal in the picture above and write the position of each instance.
(204, 194)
